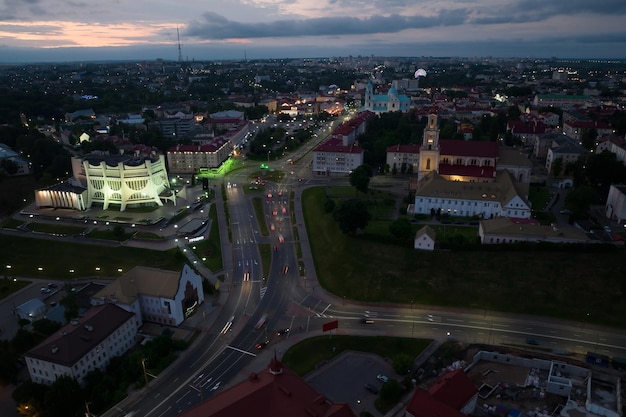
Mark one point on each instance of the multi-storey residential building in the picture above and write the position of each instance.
(340, 154)
(613, 144)
(565, 149)
(575, 129)
(407, 155)
(155, 295)
(83, 345)
(188, 159)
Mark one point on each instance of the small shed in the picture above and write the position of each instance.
(31, 310)
(425, 239)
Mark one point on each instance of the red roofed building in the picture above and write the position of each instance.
(453, 395)
(275, 392)
(339, 154)
(187, 159)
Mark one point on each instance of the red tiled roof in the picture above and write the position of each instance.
(423, 405)
(454, 388)
(275, 392)
(467, 170)
(468, 148)
(444, 399)
(335, 145)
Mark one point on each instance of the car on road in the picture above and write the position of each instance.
(261, 345)
(382, 378)
(282, 332)
(45, 290)
(532, 341)
(281, 239)
(275, 213)
(607, 229)
(300, 179)
(371, 388)
(565, 211)
(51, 285)
(285, 269)
(275, 248)
(272, 226)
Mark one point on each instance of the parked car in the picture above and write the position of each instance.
(371, 388)
(282, 331)
(382, 378)
(45, 290)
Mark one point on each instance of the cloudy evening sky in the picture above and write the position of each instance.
(87, 30)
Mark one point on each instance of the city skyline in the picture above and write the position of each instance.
(56, 31)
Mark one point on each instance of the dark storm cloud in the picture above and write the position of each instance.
(538, 10)
(215, 26)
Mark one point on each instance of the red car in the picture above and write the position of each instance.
(262, 344)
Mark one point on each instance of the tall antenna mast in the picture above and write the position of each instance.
(180, 52)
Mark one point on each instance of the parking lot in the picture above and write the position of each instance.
(344, 379)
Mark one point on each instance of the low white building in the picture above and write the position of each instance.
(83, 345)
(501, 198)
(155, 295)
(615, 207)
(505, 230)
(425, 239)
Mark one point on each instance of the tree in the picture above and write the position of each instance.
(401, 229)
(352, 215)
(360, 178)
(329, 205)
(557, 167)
(578, 201)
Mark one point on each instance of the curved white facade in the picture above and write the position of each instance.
(123, 179)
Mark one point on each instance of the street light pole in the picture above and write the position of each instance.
(145, 375)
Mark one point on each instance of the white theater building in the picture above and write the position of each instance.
(106, 179)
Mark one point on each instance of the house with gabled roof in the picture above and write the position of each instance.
(276, 391)
(453, 395)
(155, 295)
(425, 239)
(501, 198)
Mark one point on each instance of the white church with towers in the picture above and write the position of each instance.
(384, 103)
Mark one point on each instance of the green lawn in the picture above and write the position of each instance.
(259, 210)
(547, 283)
(57, 258)
(210, 250)
(539, 197)
(265, 250)
(60, 229)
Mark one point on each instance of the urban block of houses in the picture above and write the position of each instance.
(615, 207)
(506, 230)
(384, 103)
(584, 392)
(189, 159)
(100, 178)
(340, 154)
(559, 100)
(155, 295)
(83, 345)
(458, 160)
(453, 395)
(575, 129)
(276, 391)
